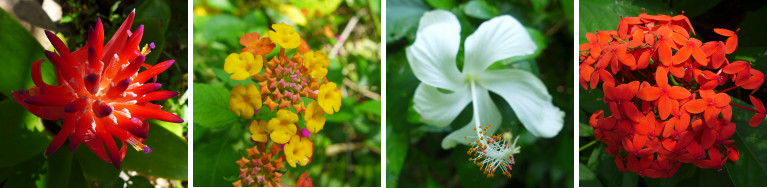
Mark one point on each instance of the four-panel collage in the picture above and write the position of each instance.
(383, 93)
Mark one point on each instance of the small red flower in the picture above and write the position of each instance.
(100, 93)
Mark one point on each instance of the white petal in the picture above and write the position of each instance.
(437, 108)
(529, 99)
(488, 114)
(432, 55)
(499, 38)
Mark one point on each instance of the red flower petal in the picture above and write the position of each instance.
(707, 138)
(149, 113)
(757, 104)
(735, 67)
(664, 53)
(649, 93)
(677, 92)
(682, 55)
(721, 100)
(757, 119)
(696, 106)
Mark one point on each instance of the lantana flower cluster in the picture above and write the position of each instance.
(100, 93)
(285, 84)
(666, 94)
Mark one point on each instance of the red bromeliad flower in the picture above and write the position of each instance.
(100, 93)
(661, 88)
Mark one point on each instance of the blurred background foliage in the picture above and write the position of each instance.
(347, 152)
(415, 157)
(597, 168)
(24, 137)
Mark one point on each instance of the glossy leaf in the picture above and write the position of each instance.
(19, 50)
(23, 134)
(751, 168)
(406, 20)
(168, 158)
(216, 157)
(396, 152)
(96, 172)
(211, 106)
(480, 9)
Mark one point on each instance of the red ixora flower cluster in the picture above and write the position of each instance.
(661, 87)
(100, 93)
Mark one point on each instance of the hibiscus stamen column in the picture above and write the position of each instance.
(491, 152)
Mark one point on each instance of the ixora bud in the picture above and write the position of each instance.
(100, 93)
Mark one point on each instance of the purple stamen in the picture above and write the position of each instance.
(305, 133)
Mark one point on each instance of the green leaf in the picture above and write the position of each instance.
(168, 158)
(224, 27)
(22, 134)
(470, 174)
(323, 6)
(211, 106)
(257, 22)
(371, 106)
(585, 130)
(155, 16)
(396, 153)
(216, 158)
(586, 177)
(341, 116)
(154, 9)
(539, 5)
(96, 171)
(19, 50)
(402, 17)
(751, 168)
(220, 4)
(442, 4)
(480, 9)
(57, 169)
(23, 174)
(630, 180)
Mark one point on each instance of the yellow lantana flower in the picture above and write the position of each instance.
(258, 130)
(283, 126)
(245, 101)
(329, 98)
(299, 150)
(317, 62)
(315, 117)
(285, 36)
(243, 65)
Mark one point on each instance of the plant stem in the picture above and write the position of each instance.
(743, 107)
(587, 145)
